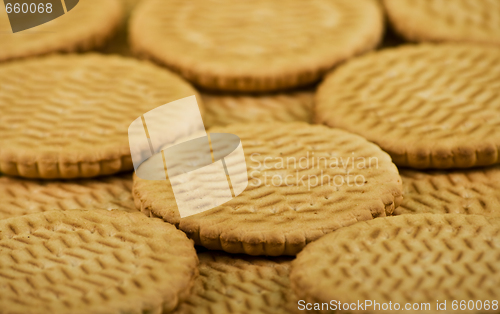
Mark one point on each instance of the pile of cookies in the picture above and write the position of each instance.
(371, 133)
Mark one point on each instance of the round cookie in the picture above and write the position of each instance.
(428, 106)
(402, 261)
(475, 21)
(240, 284)
(303, 181)
(22, 197)
(254, 46)
(68, 116)
(88, 25)
(474, 191)
(226, 109)
(93, 262)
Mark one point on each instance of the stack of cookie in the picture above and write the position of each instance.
(372, 162)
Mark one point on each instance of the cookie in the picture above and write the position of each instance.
(224, 109)
(428, 106)
(303, 181)
(88, 25)
(93, 262)
(474, 191)
(411, 262)
(21, 197)
(240, 284)
(68, 116)
(254, 46)
(474, 21)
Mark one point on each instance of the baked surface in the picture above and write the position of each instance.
(474, 21)
(22, 197)
(428, 106)
(403, 259)
(224, 109)
(74, 124)
(472, 191)
(254, 46)
(273, 218)
(87, 26)
(93, 262)
(240, 284)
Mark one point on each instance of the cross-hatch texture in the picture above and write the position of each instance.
(428, 106)
(254, 46)
(442, 20)
(403, 259)
(21, 197)
(287, 204)
(222, 110)
(68, 116)
(93, 262)
(475, 191)
(86, 26)
(239, 284)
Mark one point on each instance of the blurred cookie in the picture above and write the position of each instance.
(119, 44)
(88, 25)
(475, 21)
(403, 263)
(223, 109)
(303, 181)
(428, 106)
(240, 284)
(93, 262)
(254, 46)
(475, 191)
(68, 116)
(21, 197)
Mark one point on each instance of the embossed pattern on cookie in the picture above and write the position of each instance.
(224, 109)
(22, 197)
(428, 106)
(407, 259)
(74, 123)
(472, 191)
(303, 181)
(474, 21)
(254, 46)
(88, 25)
(93, 261)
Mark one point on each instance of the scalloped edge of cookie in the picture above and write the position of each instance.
(416, 156)
(298, 268)
(271, 243)
(70, 170)
(405, 24)
(165, 305)
(226, 81)
(80, 44)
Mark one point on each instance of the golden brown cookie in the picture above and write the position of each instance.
(21, 197)
(93, 262)
(408, 263)
(474, 191)
(68, 116)
(254, 46)
(303, 181)
(475, 21)
(88, 25)
(224, 109)
(240, 284)
(428, 106)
